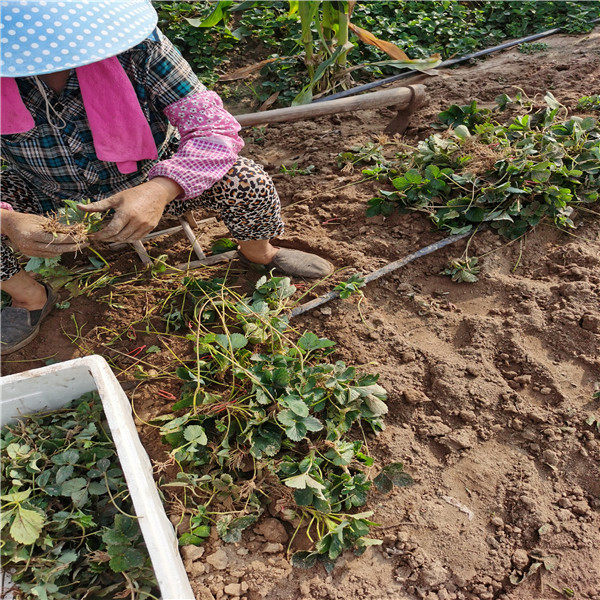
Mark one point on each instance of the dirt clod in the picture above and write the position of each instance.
(520, 558)
(272, 530)
(218, 559)
(413, 396)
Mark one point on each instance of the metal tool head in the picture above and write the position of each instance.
(399, 124)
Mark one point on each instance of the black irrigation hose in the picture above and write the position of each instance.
(446, 63)
(393, 266)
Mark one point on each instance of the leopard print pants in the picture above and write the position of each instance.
(245, 198)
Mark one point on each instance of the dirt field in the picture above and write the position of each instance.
(489, 384)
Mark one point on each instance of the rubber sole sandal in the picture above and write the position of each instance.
(20, 326)
(296, 263)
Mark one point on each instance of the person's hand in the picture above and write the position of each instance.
(27, 235)
(137, 210)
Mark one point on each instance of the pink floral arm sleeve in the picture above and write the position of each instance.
(209, 143)
(5, 206)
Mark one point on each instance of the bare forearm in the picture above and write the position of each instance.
(166, 189)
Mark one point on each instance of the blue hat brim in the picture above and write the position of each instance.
(47, 36)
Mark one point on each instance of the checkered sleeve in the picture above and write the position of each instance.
(209, 134)
(168, 77)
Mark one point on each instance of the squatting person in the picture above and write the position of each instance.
(97, 103)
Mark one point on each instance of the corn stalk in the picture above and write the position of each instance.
(325, 55)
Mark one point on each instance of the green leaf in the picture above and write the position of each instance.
(127, 526)
(72, 486)
(265, 441)
(190, 539)
(97, 488)
(126, 560)
(233, 341)
(195, 434)
(113, 537)
(312, 424)
(310, 341)
(41, 590)
(68, 457)
(186, 374)
(303, 497)
(230, 529)
(296, 405)
(218, 14)
(27, 526)
(304, 560)
(287, 417)
(64, 473)
(80, 497)
(296, 431)
(223, 245)
(392, 475)
(202, 531)
(383, 483)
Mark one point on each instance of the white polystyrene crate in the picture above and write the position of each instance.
(50, 388)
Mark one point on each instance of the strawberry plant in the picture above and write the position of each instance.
(589, 102)
(513, 175)
(532, 48)
(66, 532)
(463, 270)
(350, 287)
(78, 225)
(267, 417)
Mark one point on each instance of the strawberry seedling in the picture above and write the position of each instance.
(350, 287)
(66, 533)
(268, 417)
(535, 167)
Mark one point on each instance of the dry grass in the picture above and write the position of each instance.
(482, 157)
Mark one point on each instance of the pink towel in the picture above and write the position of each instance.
(119, 128)
(14, 117)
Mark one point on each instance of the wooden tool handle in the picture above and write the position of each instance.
(399, 97)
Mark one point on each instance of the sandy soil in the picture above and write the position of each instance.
(490, 384)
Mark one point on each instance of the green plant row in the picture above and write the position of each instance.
(510, 175)
(269, 420)
(66, 527)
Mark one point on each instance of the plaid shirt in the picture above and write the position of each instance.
(57, 164)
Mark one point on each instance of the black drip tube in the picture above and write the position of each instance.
(446, 63)
(393, 266)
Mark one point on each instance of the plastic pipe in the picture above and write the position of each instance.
(389, 268)
(446, 63)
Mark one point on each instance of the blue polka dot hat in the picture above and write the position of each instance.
(45, 36)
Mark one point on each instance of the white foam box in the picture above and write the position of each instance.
(52, 387)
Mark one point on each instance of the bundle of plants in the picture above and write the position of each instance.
(71, 221)
(268, 420)
(68, 529)
(78, 225)
(510, 173)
